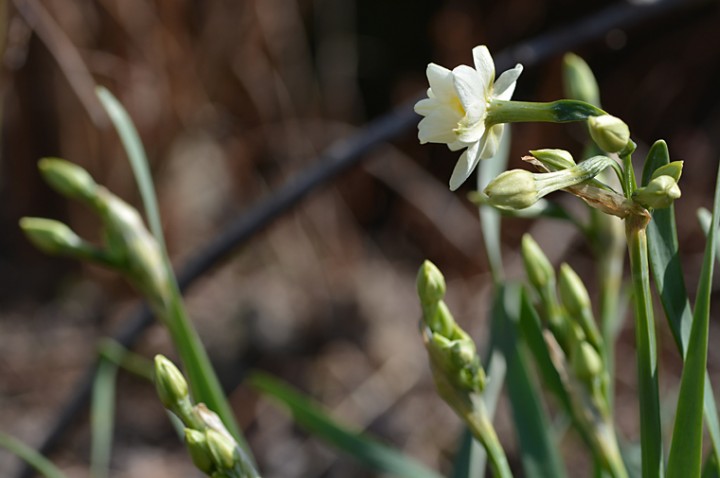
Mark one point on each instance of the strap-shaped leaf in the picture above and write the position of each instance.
(664, 258)
(669, 281)
(41, 464)
(318, 423)
(540, 455)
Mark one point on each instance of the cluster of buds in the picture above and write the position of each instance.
(456, 368)
(453, 355)
(576, 347)
(566, 308)
(128, 246)
(212, 448)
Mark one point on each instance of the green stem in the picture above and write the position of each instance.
(561, 111)
(629, 183)
(204, 384)
(482, 429)
(650, 426)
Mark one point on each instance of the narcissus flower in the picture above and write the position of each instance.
(455, 110)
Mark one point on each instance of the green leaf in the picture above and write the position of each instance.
(664, 256)
(532, 333)
(102, 418)
(711, 468)
(685, 457)
(663, 249)
(488, 169)
(41, 464)
(317, 422)
(138, 159)
(470, 459)
(540, 454)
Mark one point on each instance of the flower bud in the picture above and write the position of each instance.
(609, 132)
(430, 283)
(169, 382)
(50, 236)
(554, 159)
(68, 179)
(575, 299)
(222, 449)
(659, 193)
(198, 449)
(585, 361)
(673, 169)
(519, 189)
(537, 266)
(515, 189)
(579, 81)
(573, 294)
(135, 248)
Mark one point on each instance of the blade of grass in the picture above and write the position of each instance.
(685, 457)
(663, 249)
(102, 419)
(538, 445)
(41, 464)
(317, 422)
(137, 157)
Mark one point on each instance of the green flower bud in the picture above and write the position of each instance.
(135, 249)
(585, 362)
(609, 132)
(659, 193)
(430, 283)
(537, 266)
(673, 169)
(579, 81)
(50, 236)
(573, 293)
(222, 449)
(518, 189)
(554, 159)
(198, 449)
(458, 362)
(68, 179)
(514, 189)
(170, 384)
(575, 299)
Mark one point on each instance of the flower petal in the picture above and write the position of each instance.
(484, 63)
(464, 167)
(438, 126)
(441, 81)
(427, 106)
(491, 141)
(457, 145)
(505, 84)
(471, 89)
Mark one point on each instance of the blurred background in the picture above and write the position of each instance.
(233, 99)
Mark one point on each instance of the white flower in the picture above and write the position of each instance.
(456, 107)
